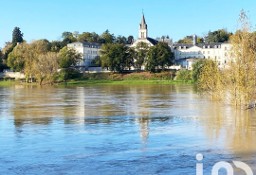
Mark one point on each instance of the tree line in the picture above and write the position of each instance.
(119, 57)
(217, 36)
(67, 37)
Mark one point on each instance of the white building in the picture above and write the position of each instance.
(186, 54)
(89, 52)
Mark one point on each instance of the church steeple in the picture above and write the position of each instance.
(143, 31)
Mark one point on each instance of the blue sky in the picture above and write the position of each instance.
(40, 19)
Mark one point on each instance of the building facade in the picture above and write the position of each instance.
(89, 52)
(186, 54)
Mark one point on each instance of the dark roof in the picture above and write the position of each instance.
(201, 45)
(153, 41)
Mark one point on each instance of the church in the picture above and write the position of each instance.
(143, 34)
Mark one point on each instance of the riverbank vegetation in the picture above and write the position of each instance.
(237, 83)
(138, 78)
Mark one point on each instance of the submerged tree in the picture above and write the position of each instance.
(243, 69)
(238, 81)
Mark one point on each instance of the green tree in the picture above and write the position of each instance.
(68, 57)
(68, 37)
(151, 62)
(88, 37)
(140, 54)
(1, 61)
(16, 59)
(129, 57)
(17, 36)
(159, 55)
(197, 69)
(165, 57)
(121, 40)
(96, 61)
(106, 37)
(184, 75)
(130, 39)
(186, 40)
(221, 35)
(67, 60)
(7, 50)
(189, 40)
(56, 46)
(113, 56)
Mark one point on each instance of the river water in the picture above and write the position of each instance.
(120, 129)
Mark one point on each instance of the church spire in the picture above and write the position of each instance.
(143, 31)
(143, 24)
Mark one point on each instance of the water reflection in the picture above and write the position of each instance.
(234, 129)
(139, 105)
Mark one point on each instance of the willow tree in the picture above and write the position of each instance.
(242, 72)
(209, 78)
(45, 68)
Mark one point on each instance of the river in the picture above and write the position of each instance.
(120, 129)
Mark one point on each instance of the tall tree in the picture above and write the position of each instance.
(45, 67)
(113, 56)
(106, 37)
(7, 50)
(16, 59)
(140, 54)
(17, 36)
(159, 55)
(1, 61)
(130, 39)
(68, 37)
(68, 58)
(221, 35)
(121, 40)
(165, 57)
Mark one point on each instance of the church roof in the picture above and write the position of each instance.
(152, 41)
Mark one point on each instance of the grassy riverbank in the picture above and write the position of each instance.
(114, 79)
(131, 78)
(123, 82)
(7, 83)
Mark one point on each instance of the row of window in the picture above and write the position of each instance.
(205, 47)
(91, 52)
(204, 52)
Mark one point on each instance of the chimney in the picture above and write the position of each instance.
(194, 40)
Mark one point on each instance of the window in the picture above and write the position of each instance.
(142, 34)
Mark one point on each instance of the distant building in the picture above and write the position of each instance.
(185, 54)
(89, 52)
(143, 34)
